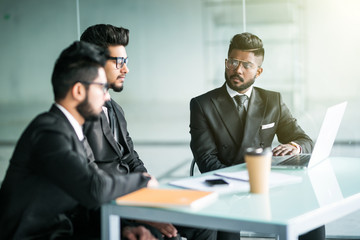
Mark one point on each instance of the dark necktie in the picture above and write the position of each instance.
(240, 100)
(111, 114)
(88, 151)
(113, 124)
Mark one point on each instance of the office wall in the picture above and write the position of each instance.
(332, 44)
(165, 49)
(32, 35)
(165, 45)
(169, 60)
(331, 63)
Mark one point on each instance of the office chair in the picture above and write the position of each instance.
(243, 234)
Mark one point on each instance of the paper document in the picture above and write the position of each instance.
(274, 180)
(198, 183)
(238, 181)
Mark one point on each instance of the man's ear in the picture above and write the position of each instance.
(78, 92)
(259, 72)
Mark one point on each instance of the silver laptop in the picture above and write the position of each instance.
(323, 143)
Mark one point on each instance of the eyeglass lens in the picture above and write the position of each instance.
(104, 86)
(120, 61)
(233, 64)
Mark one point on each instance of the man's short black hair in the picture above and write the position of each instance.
(77, 63)
(105, 35)
(247, 42)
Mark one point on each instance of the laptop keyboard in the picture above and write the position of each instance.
(296, 160)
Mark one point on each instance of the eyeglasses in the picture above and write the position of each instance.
(104, 86)
(233, 64)
(120, 61)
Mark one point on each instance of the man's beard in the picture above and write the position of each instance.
(116, 88)
(86, 111)
(242, 87)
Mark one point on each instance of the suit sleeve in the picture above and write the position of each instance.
(289, 130)
(203, 145)
(133, 159)
(60, 159)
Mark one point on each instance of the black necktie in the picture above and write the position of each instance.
(111, 114)
(113, 124)
(88, 151)
(240, 100)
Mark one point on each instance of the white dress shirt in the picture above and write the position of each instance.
(74, 123)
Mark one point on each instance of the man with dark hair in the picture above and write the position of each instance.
(111, 143)
(52, 177)
(227, 120)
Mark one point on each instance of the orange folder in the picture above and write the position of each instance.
(155, 197)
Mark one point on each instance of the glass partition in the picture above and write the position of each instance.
(177, 51)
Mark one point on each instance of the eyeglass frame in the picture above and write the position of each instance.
(242, 63)
(122, 61)
(105, 86)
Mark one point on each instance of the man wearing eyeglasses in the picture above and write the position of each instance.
(227, 120)
(52, 177)
(111, 143)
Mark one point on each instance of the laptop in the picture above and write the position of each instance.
(323, 144)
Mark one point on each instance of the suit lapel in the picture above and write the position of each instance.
(107, 132)
(254, 117)
(230, 117)
(228, 114)
(122, 128)
(79, 146)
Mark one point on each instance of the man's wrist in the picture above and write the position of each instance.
(298, 147)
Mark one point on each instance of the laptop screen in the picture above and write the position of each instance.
(327, 134)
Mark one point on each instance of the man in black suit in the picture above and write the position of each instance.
(52, 178)
(227, 120)
(109, 138)
(111, 143)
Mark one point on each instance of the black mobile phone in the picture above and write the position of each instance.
(217, 181)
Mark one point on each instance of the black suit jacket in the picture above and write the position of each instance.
(107, 151)
(215, 128)
(49, 177)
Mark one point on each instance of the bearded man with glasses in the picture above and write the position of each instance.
(111, 143)
(227, 120)
(52, 179)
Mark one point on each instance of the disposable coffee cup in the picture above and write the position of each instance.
(258, 163)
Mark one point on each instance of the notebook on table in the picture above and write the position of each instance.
(157, 197)
(323, 145)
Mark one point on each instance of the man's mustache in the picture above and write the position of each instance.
(237, 76)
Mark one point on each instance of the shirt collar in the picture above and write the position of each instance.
(105, 110)
(233, 93)
(75, 124)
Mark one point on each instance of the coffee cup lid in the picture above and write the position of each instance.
(258, 151)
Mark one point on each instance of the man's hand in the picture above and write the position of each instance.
(152, 182)
(137, 233)
(166, 229)
(285, 149)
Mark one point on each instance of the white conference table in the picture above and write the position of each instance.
(328, 191)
